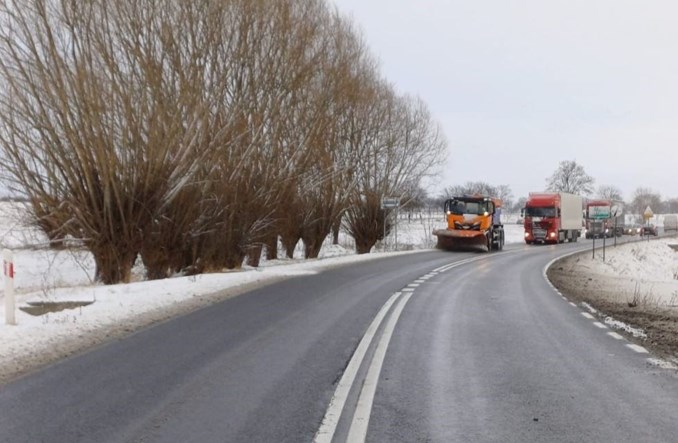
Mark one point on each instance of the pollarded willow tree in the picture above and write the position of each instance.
(98, 131)
(190, 134)
(325, 190)
(403, 146)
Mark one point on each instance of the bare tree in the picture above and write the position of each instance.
(505, 194)
(193, 149)
(404, 147)
(609, 192)
(91, 135)
(327, 184)
(570, 177)
(470, 188)
(502, 192)
(519, 205)
(644, 197)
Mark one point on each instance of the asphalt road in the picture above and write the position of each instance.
(433, 346)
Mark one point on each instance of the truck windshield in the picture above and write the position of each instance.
(459, 207)
(540, 212)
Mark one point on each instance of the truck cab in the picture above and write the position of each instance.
(552, 217)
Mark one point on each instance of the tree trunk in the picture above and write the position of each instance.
(272, 248)
(113, 264)
(254, 254)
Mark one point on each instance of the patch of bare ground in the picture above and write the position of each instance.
(623, 299)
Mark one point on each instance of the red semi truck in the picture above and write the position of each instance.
(552, 217)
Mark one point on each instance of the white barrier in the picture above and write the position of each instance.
(8, 267)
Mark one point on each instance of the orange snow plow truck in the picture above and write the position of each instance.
(473, 221)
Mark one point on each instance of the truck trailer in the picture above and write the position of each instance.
(552, 217)
(670, 223)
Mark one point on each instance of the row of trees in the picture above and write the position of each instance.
(194, 134)
(569, 177)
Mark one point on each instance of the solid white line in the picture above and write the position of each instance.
(598, 324)
(361, 417)
(587, 315)
(638, 349)
(331, 419)
(615, 335)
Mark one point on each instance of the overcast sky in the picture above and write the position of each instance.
(519, 86)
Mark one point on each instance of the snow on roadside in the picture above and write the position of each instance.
(46, 275)
(650, 266)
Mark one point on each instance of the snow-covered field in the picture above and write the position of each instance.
(47, 276)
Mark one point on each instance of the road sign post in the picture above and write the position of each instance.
(602, 214)
(647, 215)
(390, 203)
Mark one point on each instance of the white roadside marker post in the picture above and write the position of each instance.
(10, 318)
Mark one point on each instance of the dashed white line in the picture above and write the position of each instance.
(661, 363)
(615, 335)
(638, 349)
(407, 290)
(587, 315)
(573, 305)
(413, 285)
(598, 324)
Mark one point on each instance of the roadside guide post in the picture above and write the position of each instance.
(8, 266)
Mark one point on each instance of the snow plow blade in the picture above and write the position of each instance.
(458, 240)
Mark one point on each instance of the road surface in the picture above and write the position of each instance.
(433, 346)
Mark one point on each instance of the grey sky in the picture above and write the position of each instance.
(519, 86)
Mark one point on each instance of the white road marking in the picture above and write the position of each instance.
(420, 281)
(638, 349)
(407, 289)
(361, 417)
(449, 266)
(589, 308)
(615, 335)
(573, 305)
(331, 419)
(587, 315)
(663, 364)
(598, 324)
(413, 285)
